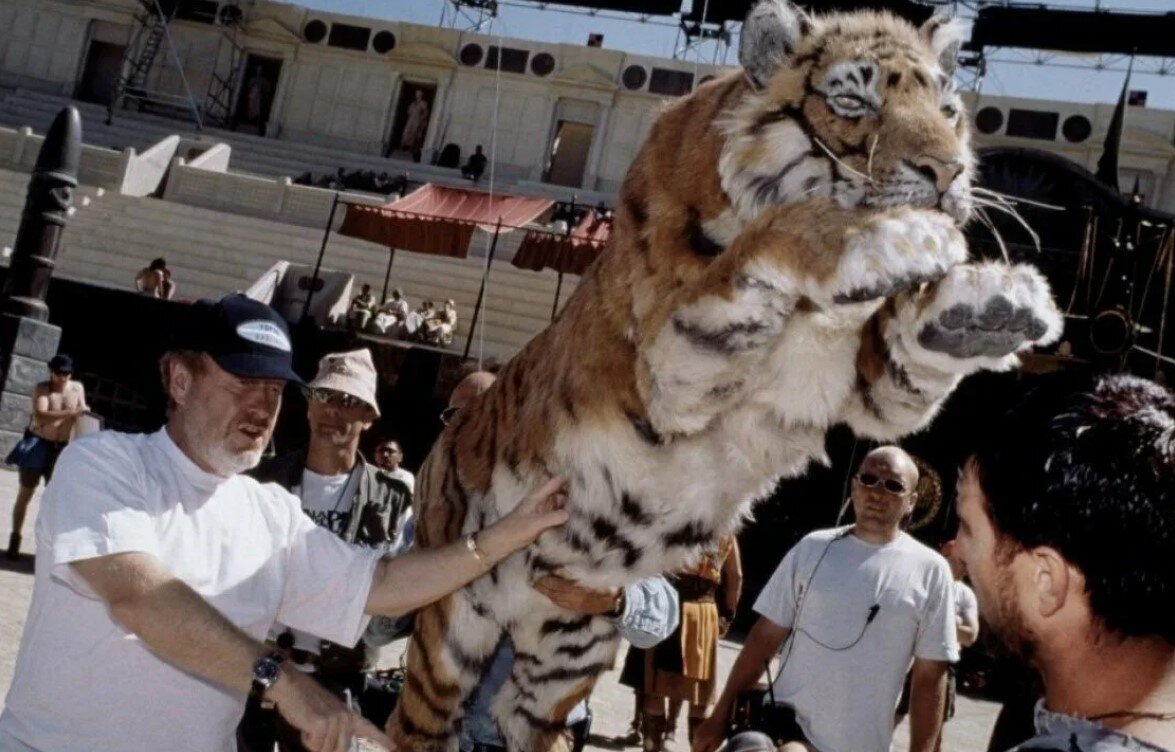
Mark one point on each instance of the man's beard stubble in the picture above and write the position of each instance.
(229, 463)
(1014, 639)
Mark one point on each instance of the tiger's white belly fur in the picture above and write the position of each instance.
(697, 487)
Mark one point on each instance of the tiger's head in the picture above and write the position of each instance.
(860, 108)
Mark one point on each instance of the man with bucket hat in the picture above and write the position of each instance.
(161, 568)
(354, 499)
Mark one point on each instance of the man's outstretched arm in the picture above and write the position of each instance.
(185, 630)
(423, 575)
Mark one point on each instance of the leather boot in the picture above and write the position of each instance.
(654, 733)
(13, 552)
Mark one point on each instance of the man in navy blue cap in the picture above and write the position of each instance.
(57, 404)
(161, 568)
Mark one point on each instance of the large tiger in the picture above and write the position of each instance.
(786, 256)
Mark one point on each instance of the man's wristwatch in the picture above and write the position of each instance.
(266, 672)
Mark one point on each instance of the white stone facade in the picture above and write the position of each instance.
(351, 98)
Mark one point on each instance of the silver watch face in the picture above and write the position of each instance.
(266, 671)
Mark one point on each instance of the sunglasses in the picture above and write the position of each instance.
(893, 485)
(388, 450)
(331, 397)
(447, 414)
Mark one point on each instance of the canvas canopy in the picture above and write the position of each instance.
(440, 220)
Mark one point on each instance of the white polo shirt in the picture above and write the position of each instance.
(83, 683)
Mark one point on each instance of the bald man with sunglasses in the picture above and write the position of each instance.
(853, 608)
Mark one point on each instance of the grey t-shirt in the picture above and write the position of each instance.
(845, 691)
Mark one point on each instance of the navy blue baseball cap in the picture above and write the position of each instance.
(245, 337)
(61, 363)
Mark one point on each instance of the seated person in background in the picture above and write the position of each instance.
(475, 166)
(414, 329)
(438, 329)
(362, 309)
(393, 314)
(155, 280)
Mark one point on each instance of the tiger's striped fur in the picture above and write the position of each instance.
(785, 256)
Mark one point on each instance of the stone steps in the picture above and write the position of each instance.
(214, 253)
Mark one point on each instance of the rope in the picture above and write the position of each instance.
(1160, 257)
(1166, 253)
(1083, 260)
(1170, 251)
(844, 493)
(697, 58)
(485, 271)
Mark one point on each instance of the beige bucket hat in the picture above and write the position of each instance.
(351, 373)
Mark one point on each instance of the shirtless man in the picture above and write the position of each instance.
(57, 403)
(155, 280)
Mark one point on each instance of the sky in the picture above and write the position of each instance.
(526, 20)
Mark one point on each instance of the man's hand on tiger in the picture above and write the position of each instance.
(542, 509)
(567, 594)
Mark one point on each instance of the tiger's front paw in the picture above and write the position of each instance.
(979, 315)
(897, 251)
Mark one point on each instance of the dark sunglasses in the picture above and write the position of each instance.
(331, 397)
(447, 414)
(893, 485)
(388, 450)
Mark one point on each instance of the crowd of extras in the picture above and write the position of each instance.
(195, 589)
(427, 323)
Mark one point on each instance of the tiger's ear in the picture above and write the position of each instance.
(945, 37)
(770, 35)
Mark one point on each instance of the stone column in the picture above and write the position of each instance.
(27, 339)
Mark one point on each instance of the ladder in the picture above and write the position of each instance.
(149, 36)
(221, 99)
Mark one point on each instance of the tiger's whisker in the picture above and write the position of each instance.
(985, 220)
(840, 161)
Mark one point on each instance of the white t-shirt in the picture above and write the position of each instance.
(82, 682)
(966, 605)
(845, 698)
(404, 476)
(327, 499)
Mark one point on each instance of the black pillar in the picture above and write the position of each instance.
(388, 274)
(27, 339)
(330, 220)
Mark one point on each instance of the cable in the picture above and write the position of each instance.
(802, 599)
(873, 611)
(481, 333)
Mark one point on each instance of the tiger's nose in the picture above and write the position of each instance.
(938, 171)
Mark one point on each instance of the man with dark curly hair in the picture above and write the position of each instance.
(1067, 528)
